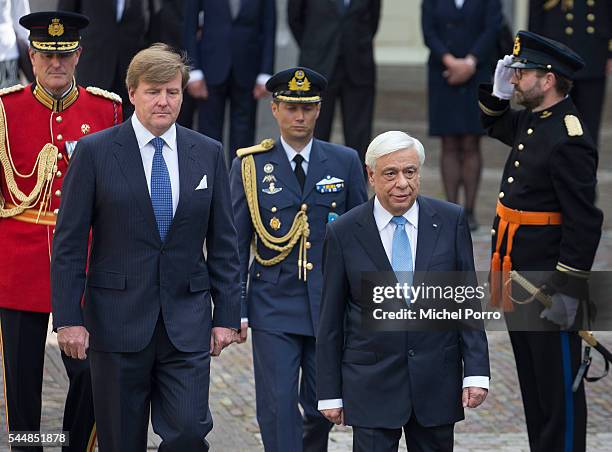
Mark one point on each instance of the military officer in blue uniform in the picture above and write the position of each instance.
(284, 192)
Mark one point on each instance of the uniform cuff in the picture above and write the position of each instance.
(489, 104)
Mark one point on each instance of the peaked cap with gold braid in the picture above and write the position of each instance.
(299, 230)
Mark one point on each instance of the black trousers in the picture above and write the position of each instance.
(171, 384)
(242, 115)
(357, 105)
(547, 363)
(23, 335)
(588, 95)
(418, 438)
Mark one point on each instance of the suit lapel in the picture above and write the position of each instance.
(316, 168)
(369, 237)
(128, 155)
(188, 174)
(282, 169)
(429, 230)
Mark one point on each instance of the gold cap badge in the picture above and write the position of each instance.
(299, 82)
(55, 28)
(517, 46)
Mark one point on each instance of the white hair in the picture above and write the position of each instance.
(389, 142)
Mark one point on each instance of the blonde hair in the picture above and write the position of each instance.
(157, 64)
(389, 142)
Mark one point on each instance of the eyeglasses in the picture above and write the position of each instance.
(519, 72)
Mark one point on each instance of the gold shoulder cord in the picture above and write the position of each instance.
(299, 229)
(46, 165)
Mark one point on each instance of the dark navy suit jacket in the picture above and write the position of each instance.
(276, 300)
(244, 45)
(132, 276)
(383, 377)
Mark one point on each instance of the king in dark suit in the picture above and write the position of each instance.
(284, 193)
(383, 382)
(152, 193)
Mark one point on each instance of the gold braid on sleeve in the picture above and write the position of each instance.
(45, 167)
(299, 230)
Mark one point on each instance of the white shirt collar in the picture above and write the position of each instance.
(383, 217)
(144, 136)
(292, 152)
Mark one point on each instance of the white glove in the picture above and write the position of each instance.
(562, 311)
(502, 88)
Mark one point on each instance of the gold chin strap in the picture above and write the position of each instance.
(299, 230)
(46, 164)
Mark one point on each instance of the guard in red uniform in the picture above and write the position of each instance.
(40, 125)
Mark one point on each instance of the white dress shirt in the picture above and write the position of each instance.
(291, 153)
(170, 153)
(382, 217)
(459, 3)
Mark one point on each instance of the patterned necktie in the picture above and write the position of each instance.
(299, 170)
(234, 6)
(161, 190)
(401, 252)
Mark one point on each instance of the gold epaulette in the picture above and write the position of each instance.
(264, 146)
(11, 89)
(103, 93)
(573, 126)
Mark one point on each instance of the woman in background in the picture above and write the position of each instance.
(461, 36)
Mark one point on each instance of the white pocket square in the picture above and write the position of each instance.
(203, 185)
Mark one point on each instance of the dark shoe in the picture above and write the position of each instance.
(472, 223)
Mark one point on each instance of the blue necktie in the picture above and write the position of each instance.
(401, 252)
(161, 190)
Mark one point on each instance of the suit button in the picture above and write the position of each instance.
(307, 245)
(590, 30)
(510, 179)
(411, 352)
(257, 275)
(517, 163)
(304, 207)
(569, 30)
(333, 204)
(59, 156)
(56, 212)
(309, 266)
(529, 131)
(273, 209)
(591, 17)
(492, 231)
(521, 147)
(58, 193)
(59, 137)
(569, 16)
(501, 195)
(58, 174)
(591, 2)
(58, 119)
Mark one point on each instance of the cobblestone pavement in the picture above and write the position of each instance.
(498, 424)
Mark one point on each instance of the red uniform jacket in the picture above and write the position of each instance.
(33, 119)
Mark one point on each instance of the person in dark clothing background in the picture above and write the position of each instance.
(461, 37)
